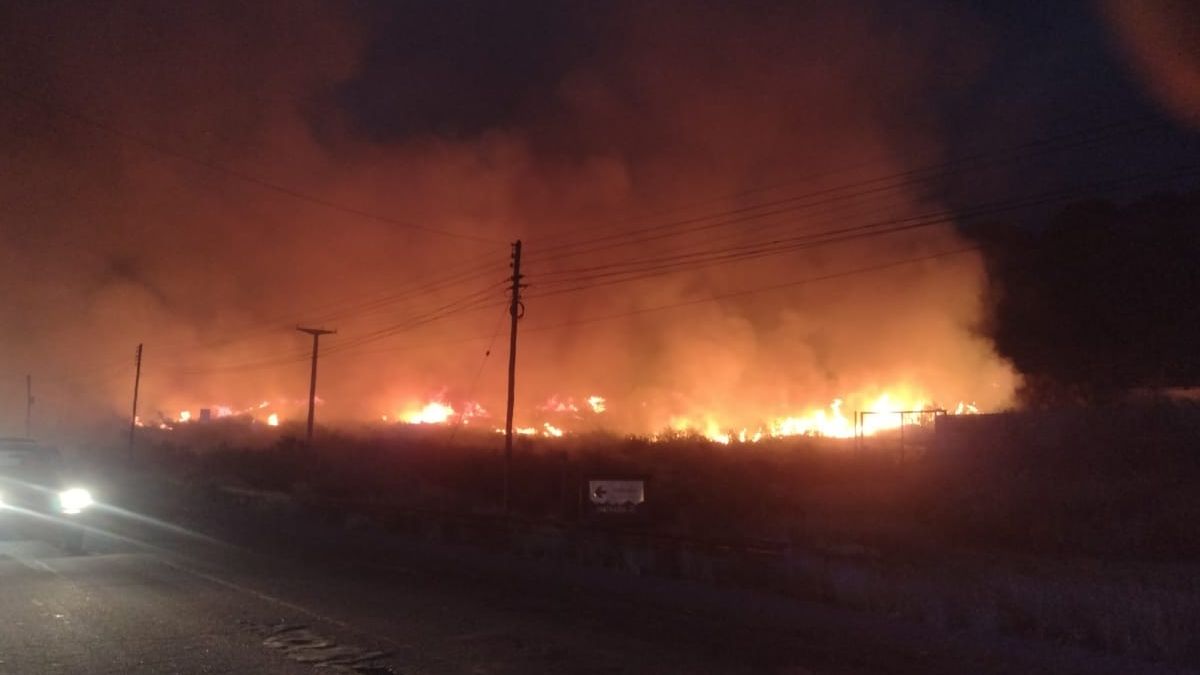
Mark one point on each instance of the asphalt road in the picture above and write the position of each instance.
(276, 596)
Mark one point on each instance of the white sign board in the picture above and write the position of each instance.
(624, 493)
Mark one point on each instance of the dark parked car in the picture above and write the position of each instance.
(35, 499)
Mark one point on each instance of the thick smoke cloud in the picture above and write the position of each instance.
(1162, 38)
(676, 112)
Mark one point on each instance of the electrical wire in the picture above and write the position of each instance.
(650, 267)
(479, 371)
(757, 289)
(345, 307)
(871, 269)
(873, 186)
(479, 299)
(470, 303)
(845, 169)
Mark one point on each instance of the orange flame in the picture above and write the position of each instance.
(430, 413)
(887, 411)
(597, 403)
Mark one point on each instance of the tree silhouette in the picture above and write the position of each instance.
(1100, 300)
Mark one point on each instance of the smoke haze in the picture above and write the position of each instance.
(109, 242)
(1162, 38)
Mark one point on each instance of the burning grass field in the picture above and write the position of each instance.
(1073, 526)
(1101, 483)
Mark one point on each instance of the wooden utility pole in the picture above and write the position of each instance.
(316, 334)
(516, 310)
(137, 381)
(28, 406)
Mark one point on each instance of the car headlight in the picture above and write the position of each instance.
(74, 500)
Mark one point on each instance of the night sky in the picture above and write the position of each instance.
(1020, 70)
(462, 69)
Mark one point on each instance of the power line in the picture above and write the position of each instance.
(469, 270)
(475, 306)
(462, 418)
(478, 300)
(470, 303)
(696, 301)
(714, 298)
(867, 208)
(758, 289)
(876, 185)
(978, 152)
(382, 302)
(346, 307)
(910, 177)
(258, 364)
(649, 267)
(380, 306)
(652, 268)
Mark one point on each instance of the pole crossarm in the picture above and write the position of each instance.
(316, 334)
